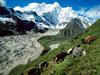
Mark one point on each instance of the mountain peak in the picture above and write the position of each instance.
(40, 8)
(54, 13)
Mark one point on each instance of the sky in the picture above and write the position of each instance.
(75, 4)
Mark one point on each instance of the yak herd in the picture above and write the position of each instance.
(77, 51)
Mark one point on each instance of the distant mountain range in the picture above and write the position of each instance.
(53, 14)
(38, 18)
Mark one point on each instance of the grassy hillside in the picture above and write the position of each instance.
(83, 65)
(72, 30)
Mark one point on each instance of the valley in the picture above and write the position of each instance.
(16, 50)
(88, 64)
(49, 39)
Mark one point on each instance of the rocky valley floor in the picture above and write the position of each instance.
(78, 65)
(19, 49)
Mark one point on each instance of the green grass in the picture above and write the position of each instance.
(83, 65)
(48, 40)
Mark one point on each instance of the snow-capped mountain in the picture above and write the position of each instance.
(52, 14)
(38, 17)
(16, 22)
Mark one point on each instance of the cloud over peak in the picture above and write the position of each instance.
(93, 13)
(2, 2)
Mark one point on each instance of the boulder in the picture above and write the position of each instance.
(45, 51)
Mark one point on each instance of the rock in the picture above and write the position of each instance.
(72, 29)
(45, 51)
(23, 25)
(5, 12)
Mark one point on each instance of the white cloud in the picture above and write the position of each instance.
(2, 2)
(93, 13)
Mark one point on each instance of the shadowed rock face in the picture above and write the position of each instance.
(4, 12)
(12, 10)
(23, 25)
(5, 29)
(5, 32)
(20, 26)
(73, 28)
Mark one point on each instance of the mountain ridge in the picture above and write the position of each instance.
(51, 16)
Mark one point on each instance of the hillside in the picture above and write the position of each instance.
(83, 65)
(73, 29)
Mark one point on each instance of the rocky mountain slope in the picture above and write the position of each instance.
(37, 18)
(72, 30)
(52, 14)
(20, 49)
(87, 64)
(12, 22)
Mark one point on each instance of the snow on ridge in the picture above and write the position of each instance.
(4, 20)
(39, 8)
(63, 14)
